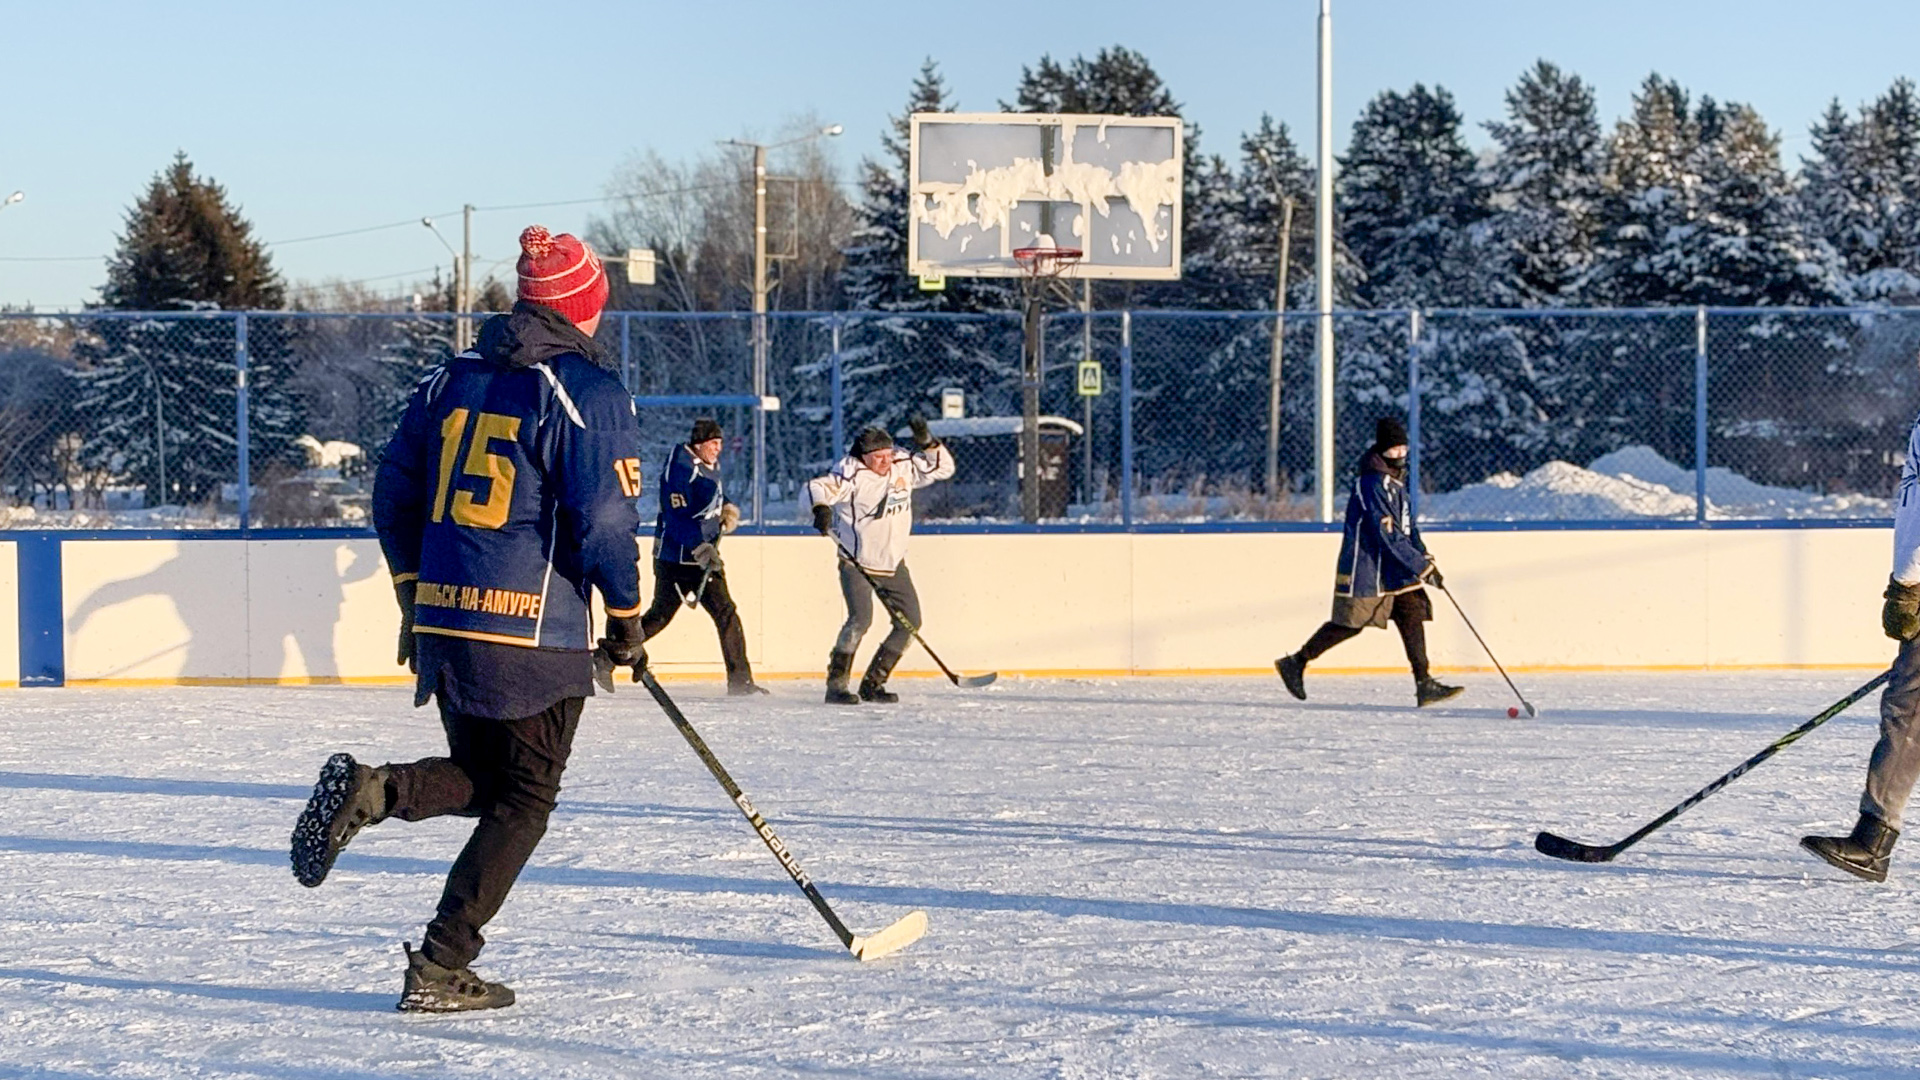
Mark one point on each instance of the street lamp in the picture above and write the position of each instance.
(461, 269)
(760, 299)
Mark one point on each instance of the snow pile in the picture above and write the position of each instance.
(1635, 482)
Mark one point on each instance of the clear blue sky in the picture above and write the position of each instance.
(327, 117)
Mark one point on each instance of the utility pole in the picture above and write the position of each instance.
(1279, 340)
(463, 285)
(760, 289)
(1323, 274)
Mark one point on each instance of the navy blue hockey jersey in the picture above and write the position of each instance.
(509, 489)
(690, 503)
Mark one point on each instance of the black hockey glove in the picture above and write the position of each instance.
(706, 557)
(1900, 616)
(823, 519)
(922, 435)
(403, 591)
(623, 646)
(1433, 575)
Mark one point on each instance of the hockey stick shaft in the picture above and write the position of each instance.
(1560, 847)
(1489, 651)
(693, 598)
(760, 826)
(899, 616)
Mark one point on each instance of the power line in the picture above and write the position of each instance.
(354, 232)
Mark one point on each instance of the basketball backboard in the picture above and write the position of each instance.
(982, 185)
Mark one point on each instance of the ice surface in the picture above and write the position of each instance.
(1126, 878)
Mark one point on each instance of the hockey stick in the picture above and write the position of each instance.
(901, 934)
(692, 599)
(1524, 703)
(900, 618)
(1560, 847)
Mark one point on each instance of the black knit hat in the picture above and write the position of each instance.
(1388, 432)
(871, 439)
(703, 429)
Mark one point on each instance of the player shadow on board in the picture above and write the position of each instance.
(312, 570)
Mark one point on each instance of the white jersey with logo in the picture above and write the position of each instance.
(1906, 515)
(873, 514)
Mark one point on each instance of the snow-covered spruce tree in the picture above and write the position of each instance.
(1411, 199)
(1544, 182)
(1416, 216)
(1697, 210)
(160, 392)
(1860, 192)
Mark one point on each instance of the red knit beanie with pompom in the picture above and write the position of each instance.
(561, 272)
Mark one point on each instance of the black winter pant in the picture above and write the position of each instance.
(507, 774)
(673, 581)
(1411, 610)
(896, 594)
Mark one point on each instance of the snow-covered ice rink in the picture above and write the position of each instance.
(1124, 877)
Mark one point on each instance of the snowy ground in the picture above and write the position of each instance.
(1139, 878)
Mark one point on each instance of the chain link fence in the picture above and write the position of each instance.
(134, 420)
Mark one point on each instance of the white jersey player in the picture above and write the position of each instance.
(1895, 764)
(866, 505)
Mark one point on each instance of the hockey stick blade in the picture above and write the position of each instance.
(909, 929)
(1559, 847)
(974, 681)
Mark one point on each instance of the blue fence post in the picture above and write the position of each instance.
(836, 391)
(1413, 411)
(245, 464)
(1700, 414)
(1126, 418)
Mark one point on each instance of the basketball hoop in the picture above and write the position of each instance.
(1043, 264)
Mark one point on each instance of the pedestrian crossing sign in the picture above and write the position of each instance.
(1090, 378)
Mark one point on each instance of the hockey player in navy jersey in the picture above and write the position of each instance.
(694, 515)
(505, 497)
(866, 505)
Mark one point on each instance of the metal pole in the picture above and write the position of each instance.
(626, 352)
(1086, 401)
(1126, 418)
(759, 327)
(1413, 412)
(838, 392)
(1279, 341)
(244, 465)
(463, 335)
(159, 427)
(1031, 346)
(1700, 414)
(1323, 273)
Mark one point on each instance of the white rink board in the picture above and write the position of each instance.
(1064, 603)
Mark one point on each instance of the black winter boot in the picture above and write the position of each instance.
(1431, 691)
(1864, 854)
(430, 988)
(873, 687)
(1293, 672)
(839, 668)
(348, 797)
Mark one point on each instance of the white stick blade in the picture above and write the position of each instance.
(894, 938)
